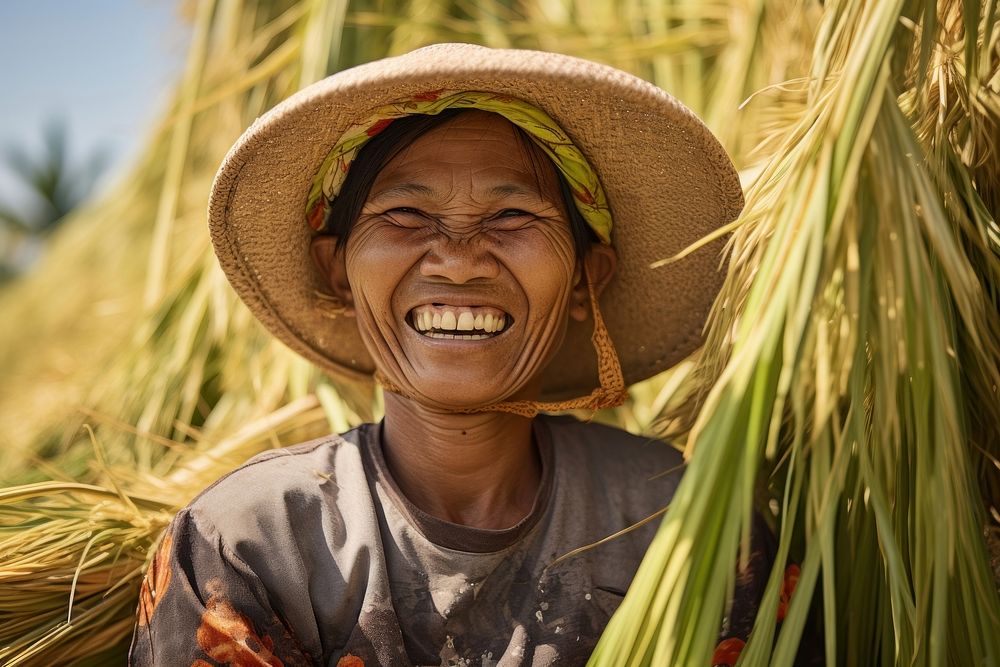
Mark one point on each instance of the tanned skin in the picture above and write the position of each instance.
(465, 218)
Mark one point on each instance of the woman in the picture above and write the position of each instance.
(459, 223)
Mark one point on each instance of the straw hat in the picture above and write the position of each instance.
(668, 181)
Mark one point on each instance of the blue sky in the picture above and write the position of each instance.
(104, 66)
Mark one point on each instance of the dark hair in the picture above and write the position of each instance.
(388, 143)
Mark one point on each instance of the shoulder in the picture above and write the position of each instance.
(279, 485)
(292, 521)
(616, 447)
(608, 464)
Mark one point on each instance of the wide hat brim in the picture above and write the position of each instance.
(668, 181)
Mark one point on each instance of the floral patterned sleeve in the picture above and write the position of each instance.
(200, 605)
(743, 608)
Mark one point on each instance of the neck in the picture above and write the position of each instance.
(479, 470)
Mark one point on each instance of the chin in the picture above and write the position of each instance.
(452, 400)
(460, 395)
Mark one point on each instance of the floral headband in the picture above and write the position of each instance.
(586, 188)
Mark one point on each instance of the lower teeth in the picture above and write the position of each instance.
(434, 334)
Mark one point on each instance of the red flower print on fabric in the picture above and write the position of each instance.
(378, 126)
(427, 96)
(228, 637)
(584, 196)
(728, 652)
(156, 581)
(316, 215)
(787, 588)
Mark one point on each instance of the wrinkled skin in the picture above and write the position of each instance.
(466, 216)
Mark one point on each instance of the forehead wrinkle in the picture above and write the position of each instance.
(527, 182)
(526, 172)
(401, 189)
(506, 186)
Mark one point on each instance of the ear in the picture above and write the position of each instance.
(329, 259)
(601, 264)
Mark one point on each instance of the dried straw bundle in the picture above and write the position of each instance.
(73, 554)
(58, 538)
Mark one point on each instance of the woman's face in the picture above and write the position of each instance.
(462, 266)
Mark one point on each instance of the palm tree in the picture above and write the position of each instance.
(55, 186)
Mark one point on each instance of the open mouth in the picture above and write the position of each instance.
(459, 322)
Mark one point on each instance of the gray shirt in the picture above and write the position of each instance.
(311, 555)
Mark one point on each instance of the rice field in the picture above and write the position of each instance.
(848, 388)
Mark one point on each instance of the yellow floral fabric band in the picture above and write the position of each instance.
(587, 191)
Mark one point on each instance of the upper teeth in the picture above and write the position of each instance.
(444, 318)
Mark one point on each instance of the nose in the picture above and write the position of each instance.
(460, 260)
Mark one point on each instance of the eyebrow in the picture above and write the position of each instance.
(403, 189)
(513, 189)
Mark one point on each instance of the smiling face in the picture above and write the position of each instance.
(462, 268)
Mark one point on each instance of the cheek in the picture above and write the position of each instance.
(381, 256)
(544, 262)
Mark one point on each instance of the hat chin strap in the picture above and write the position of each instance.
(609, 394)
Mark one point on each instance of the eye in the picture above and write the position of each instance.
(511, 213)
(405, 210)
(406, 216)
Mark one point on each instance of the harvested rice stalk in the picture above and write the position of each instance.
(855, 350)
(72, 555)
(71, 559)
